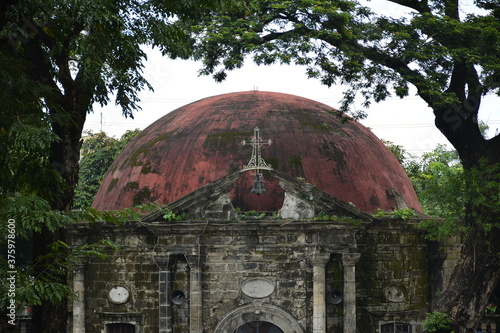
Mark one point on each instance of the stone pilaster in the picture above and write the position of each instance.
(318, 261)
(195, 297)
(165, 313)
(78, 324)
(349, 261)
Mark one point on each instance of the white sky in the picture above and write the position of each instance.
(407, 122)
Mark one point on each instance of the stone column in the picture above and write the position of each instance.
(78, 325)
(319, 261)
(195, 294)
(349, 260)
(164, 310)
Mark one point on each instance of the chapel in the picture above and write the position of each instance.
(269, 222)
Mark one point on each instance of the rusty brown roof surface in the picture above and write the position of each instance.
(201, 142)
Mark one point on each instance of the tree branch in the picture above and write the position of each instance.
(451, 9)
(41, 71)
(420, 6)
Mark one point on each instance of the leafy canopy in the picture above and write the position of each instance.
(447, 191)
(344, 42)
(58, 58)
(98, 152)
(95, 45)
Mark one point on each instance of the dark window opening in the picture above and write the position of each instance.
(395, 328)
(120, 328)
(258, 327)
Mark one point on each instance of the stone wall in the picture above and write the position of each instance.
(396, 275)
(131, 267)
(399, 274)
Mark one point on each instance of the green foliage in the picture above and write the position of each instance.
(35, 286)
(169, 215)
(398, 214)
(98, 152)
(38, 276)
(438, 179)
(250, 214)
(345, 42)
(437, 322)
(441, 188)
(447, 191)
(275, 216)
(482, 192)
(439, 183)
(407, 160)
(115, 216)
(322, 216)
(403, 214)
(99, 40)
(28, 182)
(59, 58)
(32, 214)
(398, 151)
(24, 163)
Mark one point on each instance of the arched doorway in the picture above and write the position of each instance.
(258, 327)
(270, 319)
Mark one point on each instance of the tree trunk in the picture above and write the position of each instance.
(49, 317)
(64, 160)
(469, 288)
(68, 113)
(53, 317)
(478, 272)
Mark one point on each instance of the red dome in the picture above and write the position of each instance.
(201, 142)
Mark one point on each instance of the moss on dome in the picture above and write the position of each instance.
(201, 142)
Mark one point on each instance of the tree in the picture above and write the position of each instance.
(452, 61)
(98, 152)
(439, 183)
(58, 58)
(81, 53)
(25, 209)
(409, 162)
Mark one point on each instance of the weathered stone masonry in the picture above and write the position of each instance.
(382, 268)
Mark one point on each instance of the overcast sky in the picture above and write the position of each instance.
(407, 122)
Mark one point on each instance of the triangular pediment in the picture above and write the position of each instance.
(302, 201)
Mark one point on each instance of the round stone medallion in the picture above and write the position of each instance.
(257, 287)
(118, 294)
(395, 293)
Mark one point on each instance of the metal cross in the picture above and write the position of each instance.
(256, 161)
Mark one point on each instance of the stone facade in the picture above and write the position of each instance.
(220, 271)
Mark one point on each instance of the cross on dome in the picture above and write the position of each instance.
(256, 161)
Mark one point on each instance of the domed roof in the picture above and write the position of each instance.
(201, 142)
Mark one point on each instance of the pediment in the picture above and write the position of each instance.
(302, 201)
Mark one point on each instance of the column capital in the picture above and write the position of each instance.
(319, 259)
(162, 261)
(193, 260)
(350, 259)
